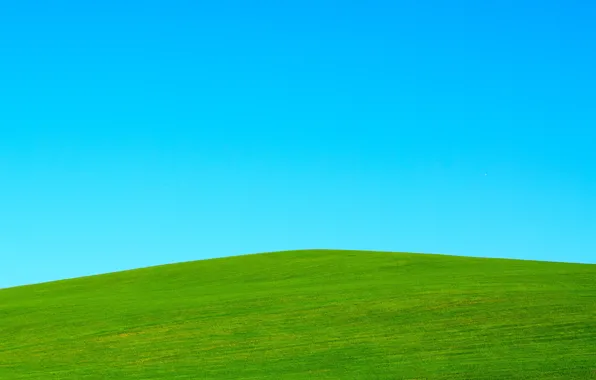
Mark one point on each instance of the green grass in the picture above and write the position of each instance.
(308, 315)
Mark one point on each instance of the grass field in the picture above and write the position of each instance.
(308, 315)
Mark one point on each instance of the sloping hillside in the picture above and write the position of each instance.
(308, 315)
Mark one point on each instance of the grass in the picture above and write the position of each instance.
(308, 315)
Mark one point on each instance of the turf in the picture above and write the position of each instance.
(316, 314)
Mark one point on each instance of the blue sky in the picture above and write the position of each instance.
(140, 133)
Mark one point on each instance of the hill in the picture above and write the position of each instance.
(316, 314)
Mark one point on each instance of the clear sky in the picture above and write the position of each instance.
(135, 133)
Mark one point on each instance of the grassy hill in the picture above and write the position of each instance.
(308, 315)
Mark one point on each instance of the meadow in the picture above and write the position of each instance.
(313, 314)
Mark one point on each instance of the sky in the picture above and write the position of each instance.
(136, 133)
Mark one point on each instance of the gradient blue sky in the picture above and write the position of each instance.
(135, 133)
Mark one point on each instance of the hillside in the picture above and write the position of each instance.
(308, 315)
